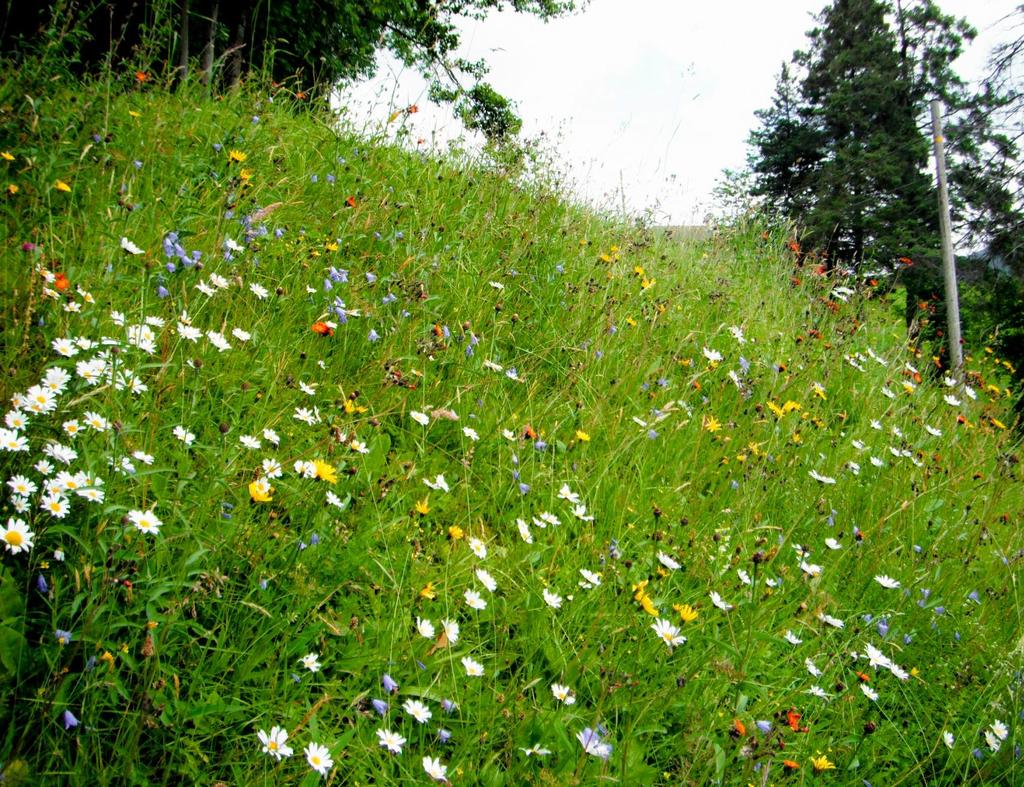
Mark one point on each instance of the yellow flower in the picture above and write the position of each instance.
(245, 175)
(686, 613)
(236, 155)
(325, 472)
(331, 246)
(779, 412)
(260, 491)
(455, 533)
(6, 156)
(630, 322)
(428, 591)
(12, 188)
(647, 283)
(819, 391)
(796, 439)
(640, 595)
(351, 407)
(639, 270)
(821, 763)
(997, 423)
(134, 114)
(422, 508)
(711, 423)
(60, 185)
(790, 406)
(582, 436)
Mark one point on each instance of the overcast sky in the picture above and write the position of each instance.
(646, 101)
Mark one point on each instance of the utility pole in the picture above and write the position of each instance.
(956, 358)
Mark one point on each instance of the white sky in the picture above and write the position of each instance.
(656, 95)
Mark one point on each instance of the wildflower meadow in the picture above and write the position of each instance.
(330, 459)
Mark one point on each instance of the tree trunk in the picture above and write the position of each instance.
(211, 39)
(183, 52)
(234, 53)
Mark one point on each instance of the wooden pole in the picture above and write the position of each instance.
(956, 358)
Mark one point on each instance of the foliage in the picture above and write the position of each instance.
(309, 44)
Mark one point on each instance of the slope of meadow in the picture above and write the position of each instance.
(311, 440)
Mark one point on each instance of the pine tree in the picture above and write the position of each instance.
(789, 149)
(846, 152)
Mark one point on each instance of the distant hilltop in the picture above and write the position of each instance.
(688, 232)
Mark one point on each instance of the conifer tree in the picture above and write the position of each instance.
(845, 152)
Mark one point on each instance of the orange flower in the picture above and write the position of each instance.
(141, 76)
(322, 328)
(350, 201)
(739, 729)
(793, 720)
(529, 432)
(60, 281)
(790, 765)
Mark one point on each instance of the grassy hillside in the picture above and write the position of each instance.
(310, 436)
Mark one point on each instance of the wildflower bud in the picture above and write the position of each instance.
(498, 306)
(515, 317)
(466, 325)
(759, 557)
(245, 386)
(870, 727)
(117, 426)
(279, 291)
(223, 427)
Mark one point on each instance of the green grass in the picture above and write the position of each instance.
(187, 642)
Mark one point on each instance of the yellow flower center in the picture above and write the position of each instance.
(14, 538)
(272, 745)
